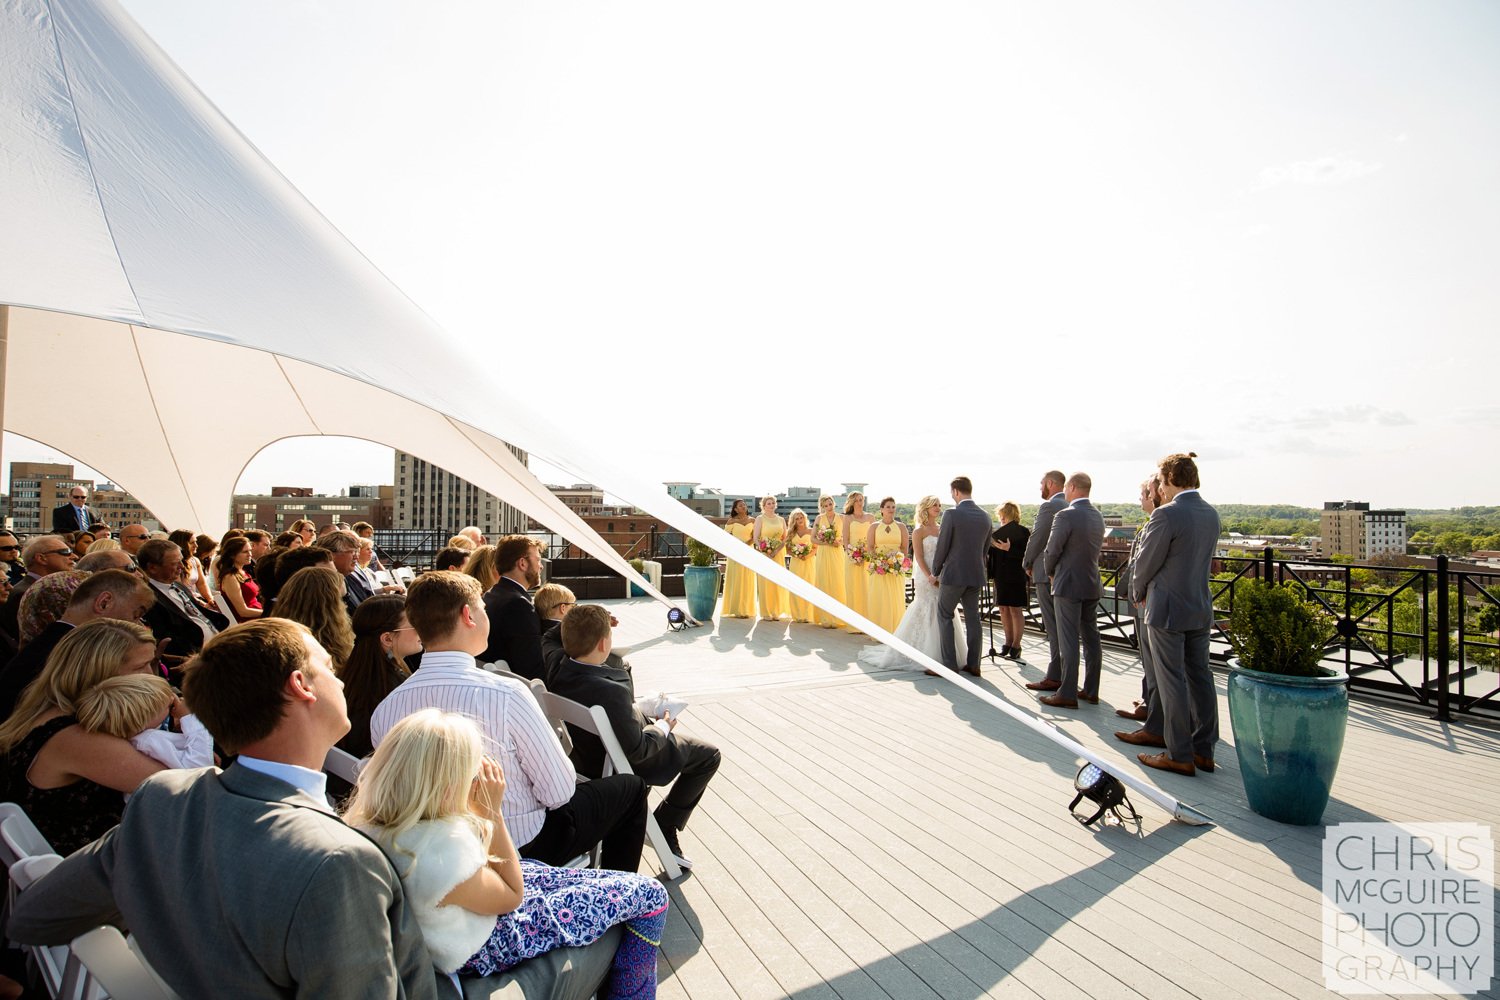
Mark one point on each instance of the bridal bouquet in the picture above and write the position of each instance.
(768, 546)
(856, 553)
(800, 550)
(891, 563)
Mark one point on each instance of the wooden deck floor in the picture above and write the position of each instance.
(879, 834)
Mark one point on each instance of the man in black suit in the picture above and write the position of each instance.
(515, 631)
(175, 616)
(1072, 565)
(958, 565)
(655, 752)
(76, 515)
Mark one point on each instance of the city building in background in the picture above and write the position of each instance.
(278, 510)
(428, 498)
(36, 488)
(794, 498)
(584, 499)
(1352, 529)
(709, 502)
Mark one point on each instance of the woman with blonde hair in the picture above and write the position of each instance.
(432, 800)
(481, 566)
(314, 596)
(828, 561)
(461, 542)
(739, 581)
(105, 544)
(194, 574)
(854, 539)
(67, 779)
(305, 529)
(1007, 547)
(800, 558)
(769, 536)
(919, 626)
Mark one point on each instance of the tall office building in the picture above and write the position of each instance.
(429, 497)
(1353, 530)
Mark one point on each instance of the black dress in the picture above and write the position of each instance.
(1005, 567)
(70, 816)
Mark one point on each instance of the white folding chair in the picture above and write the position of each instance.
(121, 970)
(538, 688)
(342, 764)
(224, 606)
(502, 668)
(404, 575)
(594, 720)
(19, 838)
(60, 971)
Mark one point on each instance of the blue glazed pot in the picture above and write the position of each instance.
(1288, 733)
(701, 585)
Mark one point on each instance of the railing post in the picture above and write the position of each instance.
(1270, 567)
(1444, 643)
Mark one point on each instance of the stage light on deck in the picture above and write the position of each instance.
(1104, 789)
(677, 620)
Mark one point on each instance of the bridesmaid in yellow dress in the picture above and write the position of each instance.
(887, 590)
(855, 536)
(771, 529)
(829, 568)
(739, 582)
(799, 539)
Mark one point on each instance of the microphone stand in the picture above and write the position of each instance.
(993, 654)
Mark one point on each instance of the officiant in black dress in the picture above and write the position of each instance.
(1009, 579)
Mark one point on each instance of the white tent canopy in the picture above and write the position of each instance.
(138, 228)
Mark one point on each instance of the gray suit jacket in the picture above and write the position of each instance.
(1072, 556)
(237, 884)
(1173, 563)
(963, 541)
(1040, 532)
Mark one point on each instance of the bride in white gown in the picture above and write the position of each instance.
(919, 626)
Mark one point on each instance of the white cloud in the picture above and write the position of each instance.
(1323, 418)
(1256, 231)
(1325, 170)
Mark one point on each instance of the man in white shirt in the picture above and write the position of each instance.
(550, 816)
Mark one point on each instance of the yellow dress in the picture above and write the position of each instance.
(801, 608)
(887, 591)
(828, 569)
(739, 582)
(856, 590)
(772, 597)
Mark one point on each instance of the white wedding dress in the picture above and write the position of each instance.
(919, 626)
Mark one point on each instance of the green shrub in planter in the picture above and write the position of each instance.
(700, 580)
(700, 554)
(1276, 630)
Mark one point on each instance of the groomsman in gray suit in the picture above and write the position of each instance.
(1052, 502)
(1072, 564)
(958, 563)
(1170, 574)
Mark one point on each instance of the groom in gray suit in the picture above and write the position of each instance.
(1170, 574)
(1052, 502)
(1072, 563)
(958, 563)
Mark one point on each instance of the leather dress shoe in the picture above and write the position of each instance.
(1141, 738)
(1044, 685)
(1203, 763)
(1138, 713)
(971, 671)
(1092, 701)
(932, 673)
(1162, 762)
(1057, 701)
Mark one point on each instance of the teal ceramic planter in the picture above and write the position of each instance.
(1288, 733)
(701, 585)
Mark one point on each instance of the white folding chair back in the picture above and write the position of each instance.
(404, 575)
(59, 971)
(224, 606)
(342, 764)
(19, 837)
(563, 736)
(502, 668)
(594, 720)
(120, 970)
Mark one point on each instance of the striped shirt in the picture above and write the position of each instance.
(538, 775)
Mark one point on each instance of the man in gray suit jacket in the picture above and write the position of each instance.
(1170, 574)
(1072, 564)
(1052, 502)
(958, 563)
(243, 883)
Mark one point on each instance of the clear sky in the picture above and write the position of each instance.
(892, 242)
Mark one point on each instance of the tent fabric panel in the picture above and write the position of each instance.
(48, 186)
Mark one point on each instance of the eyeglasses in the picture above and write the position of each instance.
(10, 548)
(58, 552)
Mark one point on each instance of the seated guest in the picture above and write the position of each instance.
(67, 779)
(288, 540)
(80, 541)
(98, 562)
(194, 573)
(266, 580)
(260, 544)
(176, 617)
(383, 639)
(552, 602)
(473, 534)
(481, 566)
(133, 536)
(451, 558)
(240, 592)
(430, 795)
(103, 545)
(301, 558)
(365, 564)
(101, 530)
(464, 542)
(42, 556)
(554, 818)
(134, 707)
(333, 922)
(343, 546)
(12, 569)
(111, 593)
(45, 602)
(515, 633)
(366, 532)
(655, 752)
(315, 597)
(306, 529)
